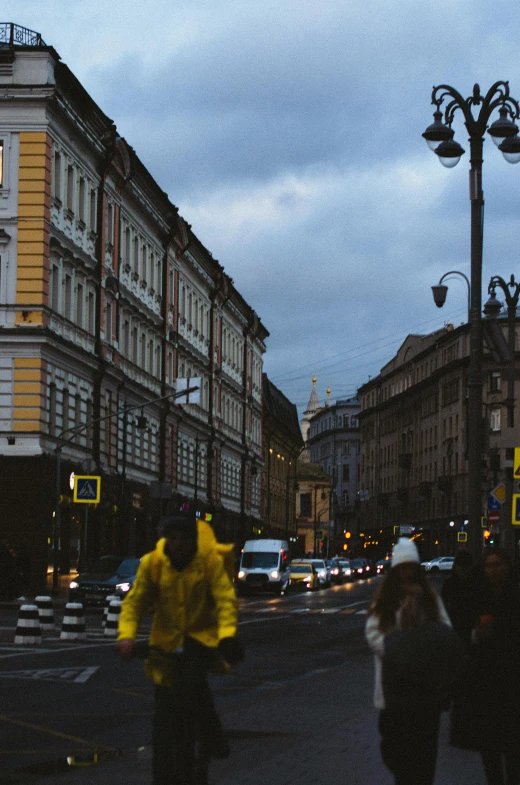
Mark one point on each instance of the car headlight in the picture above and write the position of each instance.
(274, 574)
(348, 571)
(124, 587)
(241, 574)
(322, 573)
(308, 579)
(73, 585)
(335, 572)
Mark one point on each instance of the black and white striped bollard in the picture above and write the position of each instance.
(28, 630)
(45, 612)
(73, 625)
(114, 609)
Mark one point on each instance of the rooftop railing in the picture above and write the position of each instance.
(15, 35)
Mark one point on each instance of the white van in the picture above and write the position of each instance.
(264, 566)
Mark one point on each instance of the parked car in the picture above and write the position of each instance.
(109, 575)
(323, 571)
(335, 569)
(439, 564)
(304, 576)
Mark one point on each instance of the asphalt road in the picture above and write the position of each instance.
(65, 698)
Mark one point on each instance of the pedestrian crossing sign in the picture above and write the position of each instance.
(87, 489)
(516, 464)
(515, 510)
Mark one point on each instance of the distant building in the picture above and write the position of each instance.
(281, 443)
(334, 443)
(413, 421)
(313, 511)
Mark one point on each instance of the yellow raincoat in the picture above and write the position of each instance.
(198, 601)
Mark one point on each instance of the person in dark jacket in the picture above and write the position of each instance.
(455, 593)
(493, 680)
(406, 619)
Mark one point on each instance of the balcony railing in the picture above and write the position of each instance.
(15, 35)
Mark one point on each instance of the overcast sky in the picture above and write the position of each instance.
(289, 136)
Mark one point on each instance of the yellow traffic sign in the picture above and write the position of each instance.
(499, 493)
(515, 509)
(516, 465)
(87, 489)
(462, 536)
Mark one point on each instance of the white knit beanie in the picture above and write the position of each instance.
(405, 551)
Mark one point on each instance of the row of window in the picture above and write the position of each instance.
(194, 311)
(73, 189)
(140, 256)
(72, 295)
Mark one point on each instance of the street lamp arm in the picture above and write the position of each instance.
(456, 272)
(497, 96)
(440, 291)
(512, 296)
(75, 430)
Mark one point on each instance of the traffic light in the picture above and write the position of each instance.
(345, 546)
(348, 535)
(487, 536)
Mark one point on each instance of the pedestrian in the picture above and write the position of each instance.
(493, 685)
(456, 594)
(184, 581)
(414, 648)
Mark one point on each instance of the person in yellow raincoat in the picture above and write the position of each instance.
(185, 584)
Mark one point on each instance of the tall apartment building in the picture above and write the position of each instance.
(413, 421)
(107, 297)
(334, 444)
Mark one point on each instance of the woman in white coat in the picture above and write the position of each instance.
(409, 725)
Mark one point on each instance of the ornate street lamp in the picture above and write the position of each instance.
(492, 308)
(439, 137)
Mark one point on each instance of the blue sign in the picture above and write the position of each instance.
(87, 489)
(493, 504)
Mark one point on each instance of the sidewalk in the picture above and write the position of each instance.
(320, 729)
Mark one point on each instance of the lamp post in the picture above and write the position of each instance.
(317, 515)
(439, 137)
(492, 308)
(75, 431)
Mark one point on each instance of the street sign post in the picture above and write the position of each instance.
(493, 503)
(87, 489)
(493, 517)
(515, 509)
